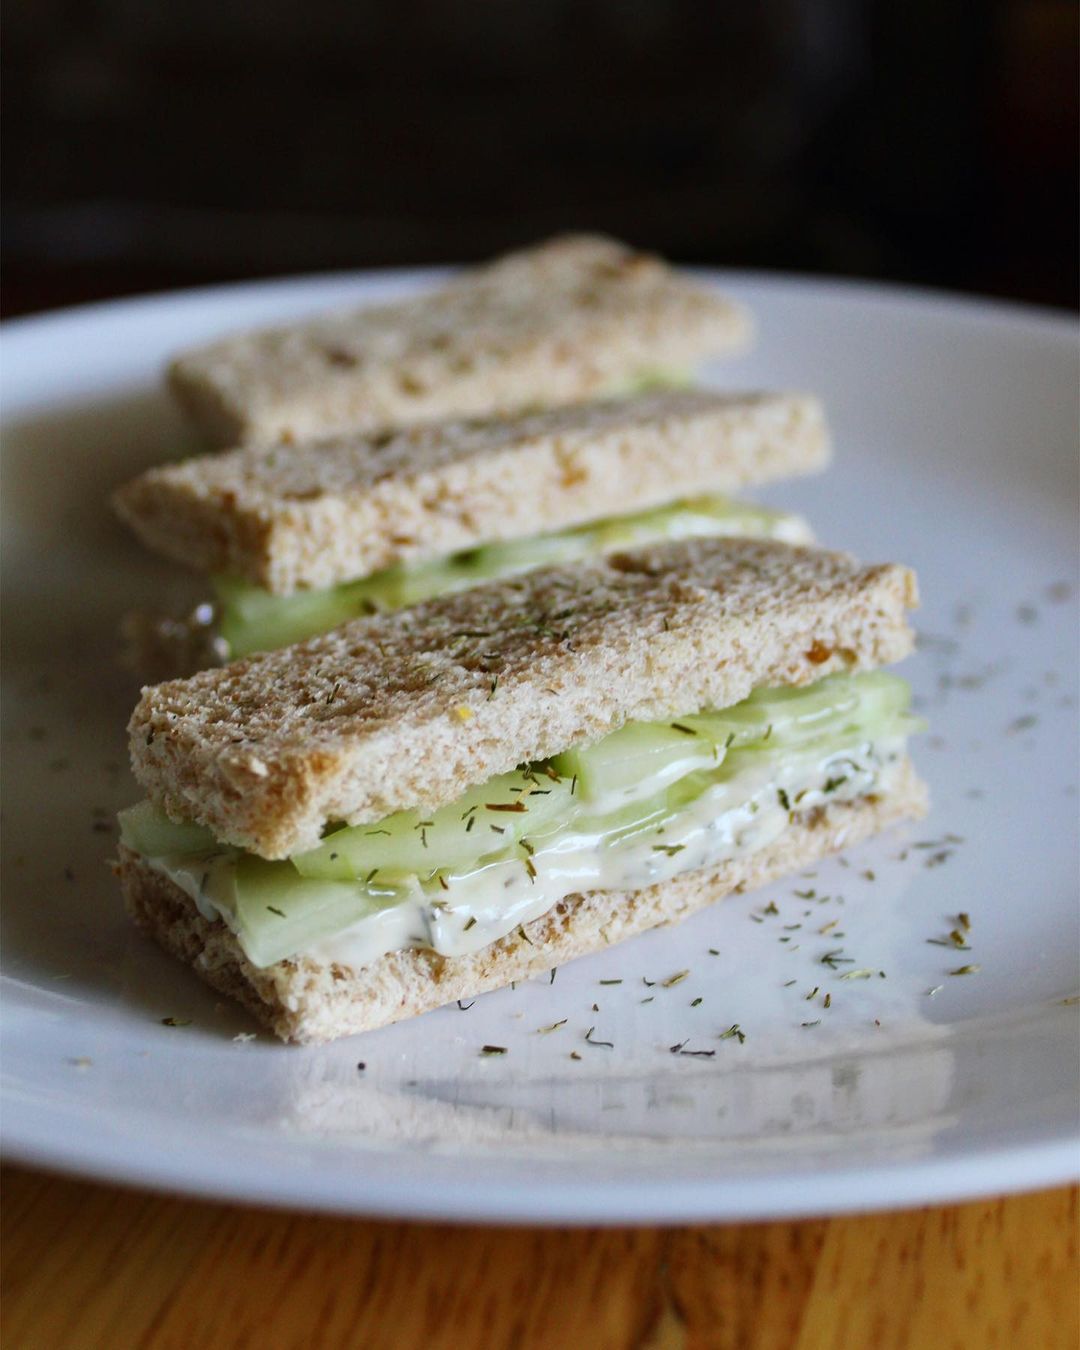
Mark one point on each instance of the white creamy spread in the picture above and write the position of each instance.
(733, 818)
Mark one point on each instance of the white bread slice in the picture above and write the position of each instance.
(305, 1001)
(551, 324)
(408, 709)
(319, 512)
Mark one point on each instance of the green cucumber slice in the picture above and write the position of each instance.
(146, 829)
(655, 752)
(770, 719)
(484, 820)
(649, 380)
(279, 913)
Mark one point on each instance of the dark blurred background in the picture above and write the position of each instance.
(151, 144)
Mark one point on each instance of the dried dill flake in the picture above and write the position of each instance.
(679, 1049)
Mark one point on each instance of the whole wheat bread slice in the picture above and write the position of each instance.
(552, 324)
(306, 1001)
(324, 511)
(408, 709)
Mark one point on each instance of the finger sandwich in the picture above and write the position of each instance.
(426, 804)
(576, 317)
(300, 538)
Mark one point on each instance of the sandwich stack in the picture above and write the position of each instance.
(538, 698)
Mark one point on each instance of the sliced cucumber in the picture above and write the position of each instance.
(146, 829)
(649, 380)
(484, 820)
(770, 719)
(653, 752)
(827, 707)
(279, 913)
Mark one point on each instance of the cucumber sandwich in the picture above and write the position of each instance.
(426, 804)
(576, 317)
(298, 539)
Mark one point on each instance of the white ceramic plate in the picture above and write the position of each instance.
(955, 429)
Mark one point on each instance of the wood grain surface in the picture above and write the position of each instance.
(89, 1266)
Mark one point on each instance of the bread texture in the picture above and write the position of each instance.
(305, 1001)
(408, 709)
(319, 512)
(549, 325)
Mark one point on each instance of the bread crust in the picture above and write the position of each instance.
(408, 709)
(305, 1001)
(551, 324)
(320, 512)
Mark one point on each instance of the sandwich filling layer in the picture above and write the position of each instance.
(250, 619)
(645, 804)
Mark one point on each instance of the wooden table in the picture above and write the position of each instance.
(89, 1266)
